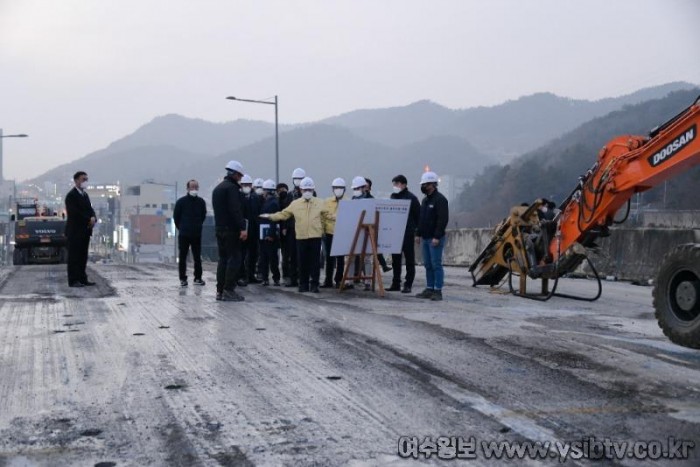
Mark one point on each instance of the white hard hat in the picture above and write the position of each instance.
(299, 173)
(258, 182)
(235, 166)
(338, 182)
(307, 183)
(428, 177)
(269, 184)
(358, 182)
(247, 179)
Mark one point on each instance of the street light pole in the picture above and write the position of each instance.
(277, 145)
(6, 136)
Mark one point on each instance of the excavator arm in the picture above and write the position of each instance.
(625, 166)
(526, 245)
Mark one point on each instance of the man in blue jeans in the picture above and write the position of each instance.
(434, 215)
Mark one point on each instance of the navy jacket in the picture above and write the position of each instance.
(252, 204)
(434, 215)
(228, 206)
(270, 206)
(189, 215)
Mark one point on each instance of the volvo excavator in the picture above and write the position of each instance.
(543, 241)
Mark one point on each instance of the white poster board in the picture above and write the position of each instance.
(393, 215)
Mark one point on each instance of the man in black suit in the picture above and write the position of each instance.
(81, 219)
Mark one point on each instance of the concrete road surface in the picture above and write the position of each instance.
(137, 371)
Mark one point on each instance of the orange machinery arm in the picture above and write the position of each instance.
(625, 166)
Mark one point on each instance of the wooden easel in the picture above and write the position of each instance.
(369, 233)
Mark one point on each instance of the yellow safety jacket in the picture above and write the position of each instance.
(309, 217)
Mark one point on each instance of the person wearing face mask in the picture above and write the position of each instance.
(434, 216)
(258, 186)
(289, 251)
(189, 215)
(81, 219)
(270, 238)
(231, 230)
(336, 263)
(252, 204)
(400, 191)
(310, 215)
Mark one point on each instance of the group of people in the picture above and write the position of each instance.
(256, 220)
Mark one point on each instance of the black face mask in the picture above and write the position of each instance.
(283, 194)
(424, 189)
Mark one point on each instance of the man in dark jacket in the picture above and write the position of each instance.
(289, 251)
(408, 248)
(81, 220)
(190, 213)
(252, 203)
(367, 194)
(230, 226)
(270, 239)
(434, 215)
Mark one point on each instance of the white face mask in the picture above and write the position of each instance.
(339, 192)
(397, 189)
(193, 192)
(258, 191)
(296, 181)
(83, 185)
(307, 194)
(246, 190)
(357, 192)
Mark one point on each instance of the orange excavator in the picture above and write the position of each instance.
(543, 241)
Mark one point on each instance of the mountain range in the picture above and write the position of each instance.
(378, 143)
(552, 170)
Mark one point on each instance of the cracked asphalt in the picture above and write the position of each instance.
(138, 371)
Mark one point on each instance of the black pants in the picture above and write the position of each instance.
(249, 257)
(382, 261)
(409, 252)
(332, 262)
(184, 243)
(77, 258)
(289, 260)
(229, 265)
(309, 259)
(269, 260)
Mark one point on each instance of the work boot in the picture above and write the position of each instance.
(183, 283)
(426, 293)
(386, 268)
(242, 283)
(394, 288)
(406, 289)
(232, 296)
(437, 296)
(199, 282)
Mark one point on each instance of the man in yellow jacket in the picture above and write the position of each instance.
(310, 215)
(336, 263)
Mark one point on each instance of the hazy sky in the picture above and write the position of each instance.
(78, 74)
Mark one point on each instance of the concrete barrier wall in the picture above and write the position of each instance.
(628, 254)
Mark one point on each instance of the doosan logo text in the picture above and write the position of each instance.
(673, 147)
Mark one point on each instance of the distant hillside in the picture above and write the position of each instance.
(127, 166)
(327, 152)
(381, 141)
(552, 170)
(503, 131)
